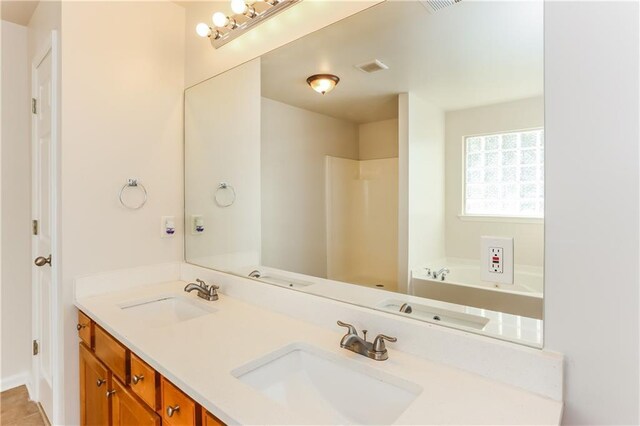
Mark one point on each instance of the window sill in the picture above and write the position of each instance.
(501, 219)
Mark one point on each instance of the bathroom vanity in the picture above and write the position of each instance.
(154, 354)
(119, 388)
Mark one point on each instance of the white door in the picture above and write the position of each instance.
(44, 292)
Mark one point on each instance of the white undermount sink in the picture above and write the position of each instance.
(327, 389)
(165, 310)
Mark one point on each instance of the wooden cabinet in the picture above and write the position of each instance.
(128, 410)
(95, 380)
(177, 408)
(145, 382)
(111, 353)
(117, 388)
(209, 419)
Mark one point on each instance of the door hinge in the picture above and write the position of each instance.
(34, 227)
(36, 348)
(34, 105)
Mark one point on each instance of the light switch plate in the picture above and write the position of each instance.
(496, 259)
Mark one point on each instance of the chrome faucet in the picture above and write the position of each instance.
(207, 292)
(376, 350)
(255, 274)
(442, 273)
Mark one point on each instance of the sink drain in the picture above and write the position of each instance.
(437, 318)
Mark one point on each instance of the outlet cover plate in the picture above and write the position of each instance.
(496, 259)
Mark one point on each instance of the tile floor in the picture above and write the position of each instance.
(16, 409)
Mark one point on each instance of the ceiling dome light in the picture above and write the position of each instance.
(238, 7)
(219, 19)
(323, 83)
(203, 30)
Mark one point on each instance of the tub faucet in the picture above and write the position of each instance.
(442, 273)
(207, 292)
(255, 274)
(376, 350)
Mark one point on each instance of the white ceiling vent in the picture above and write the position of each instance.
(372, 66)
(433, 6)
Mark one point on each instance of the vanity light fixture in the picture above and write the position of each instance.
(323, 83)
(247, 14)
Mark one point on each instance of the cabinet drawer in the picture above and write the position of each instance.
(85, 329)
(180, 406)
(112, 353)
(209, 419)
(145, 382)
(128, 410)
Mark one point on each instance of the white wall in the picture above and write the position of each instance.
(424, 170)
(592, 212)
(122, 91)
(222, 144)
(463, 236)
(16, 214)
(378, 139)
(294, 145)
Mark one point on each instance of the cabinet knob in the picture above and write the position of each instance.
(171, 410)
(135, 379)
(100, 382)
(111, 392)
(80, 326)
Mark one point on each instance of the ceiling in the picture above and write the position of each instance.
(19, 12)
(469, 54)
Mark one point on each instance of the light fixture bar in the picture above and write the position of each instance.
(227, 36)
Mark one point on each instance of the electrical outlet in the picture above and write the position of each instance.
(167, 226)
(496, 259)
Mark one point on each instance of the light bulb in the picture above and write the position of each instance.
(238, 6)
(220, 19)
(203, 29)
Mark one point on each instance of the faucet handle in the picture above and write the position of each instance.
(202, 283)
(351, 329)
(378, 343)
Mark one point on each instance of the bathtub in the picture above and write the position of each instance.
(463, 286)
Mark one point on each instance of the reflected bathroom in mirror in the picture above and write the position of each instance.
(412, 182)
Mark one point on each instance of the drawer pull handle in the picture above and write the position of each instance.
(171, 410)
(135, 379)
(80, 326)
(100, 382)
(111, 392)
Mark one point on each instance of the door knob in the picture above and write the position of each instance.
(41, 261)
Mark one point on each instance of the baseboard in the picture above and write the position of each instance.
(14, 381)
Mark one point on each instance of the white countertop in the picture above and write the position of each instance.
(198, 356)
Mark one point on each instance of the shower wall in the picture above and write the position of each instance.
(362, 221)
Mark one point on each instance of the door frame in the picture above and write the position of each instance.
(49, 46)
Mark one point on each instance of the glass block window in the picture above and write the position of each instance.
(504, 174)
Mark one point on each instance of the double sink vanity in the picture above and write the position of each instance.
(156, 354)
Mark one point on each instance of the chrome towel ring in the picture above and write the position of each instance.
(133, 183)
(225, 195)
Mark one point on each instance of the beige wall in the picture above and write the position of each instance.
(294, 145)
(16, 207)
(463, 237)
(122, 90)
(222, 144)
(203, 61)
(421, 162)
(378, 139)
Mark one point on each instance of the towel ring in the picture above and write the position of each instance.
(133, 183)
(221, 200)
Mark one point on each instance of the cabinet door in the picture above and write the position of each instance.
(95, 380)
(128, 410)
(209, 419)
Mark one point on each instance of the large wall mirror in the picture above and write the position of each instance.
(415, 186)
